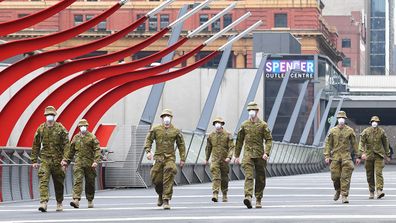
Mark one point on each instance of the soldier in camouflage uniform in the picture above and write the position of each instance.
(337, 152)
(164, 169)
(221, 146)
(50, 141)
(374, 147)
(253, 133)
(86, 150)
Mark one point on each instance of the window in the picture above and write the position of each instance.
(78, 19)
(164, 21)
(216, 25)
(227, 20)
(346, 43)
(346, 62)
(280, 20)
(202, 19)
(153, 23)
(142, 27)
(22, 15)
(102, 26)
(377, 60)
(214, 63)
(87, 18)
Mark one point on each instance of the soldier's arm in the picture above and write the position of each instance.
(36, 146)
(362, 144)
(354, 144)
(385, 143)
(65, 139)
(328, 145)
(96, 146)
(181, 146)
(208, 149)
(149, 141)
(231, 146)
(239, 142)
(268, 140)
(70, 151)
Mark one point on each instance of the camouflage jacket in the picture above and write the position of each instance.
(50, 143)
(85, 149)
(374, 141)
(220, 146)
(253, 135)
(165, 139)
(338, 143)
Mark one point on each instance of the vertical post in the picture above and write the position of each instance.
(323, 121)
(252, 92)
(156, 91)
(311, 118)
(296, 111)
(275, 109)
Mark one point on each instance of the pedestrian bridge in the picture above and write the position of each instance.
(299, 198)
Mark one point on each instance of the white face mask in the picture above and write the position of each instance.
(374, 124)
(83, 129)
(218, 126)
(252, 113)
(50, 118)
(167, 120)
(341, 121)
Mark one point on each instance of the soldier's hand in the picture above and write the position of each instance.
(64, 168)
(64, 163)
(206, 162)
(265, 157)
(149, 156)
(94, 164)
(227, 160)
(387, 159)
(237, 160)
(35, 165)
(357, 161)
(181, 163)
(364, 157)
(327, 161)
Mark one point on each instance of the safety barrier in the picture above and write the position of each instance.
(19, 180)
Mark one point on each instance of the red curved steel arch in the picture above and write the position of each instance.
(78, 104)
(68, 89)
(27, 21)
(22, 99)
(16, 71)
(99, 108)
(16, 47)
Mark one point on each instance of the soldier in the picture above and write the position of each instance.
(164, 169)
(373, 148)
(50, 141)
(220, 145)
(253, 132)
(85, 148)
(337, 152)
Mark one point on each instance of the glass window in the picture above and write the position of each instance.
(377, 23)
(87, 18)
(102, 26)
(377, 60)
(78, 19)
(216, 25)
(346, 43)
(153, 23)
(377, 70)
(227, 20)
(378, 8)
(202, 19)
(378, 36)
(346, 62)
(22, 15)
(164, 21)
(377, 48)
(214, 63)
(142, 27)
(280, 20)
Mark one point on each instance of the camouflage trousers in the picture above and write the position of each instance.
(51, 168)
(162, 175)
(220, 171)
(251, 165)
(375, 165)
(79, 173)
(341, 174)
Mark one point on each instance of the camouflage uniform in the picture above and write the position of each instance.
(86, 150)
(374, 143)
(220, 146)
(253, 135)
(164, 169)
(337, 149)
(49, 145)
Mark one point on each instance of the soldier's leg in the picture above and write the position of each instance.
(170, 171)
(58, 176)
(225, 171)
(379, 166)
(44, 177)
(335, 170)
(260, 166)
(90, 175)
(156, 174)
(369, 166)
(78, 175)
(216, 176)
(248, 167)
(346, 174)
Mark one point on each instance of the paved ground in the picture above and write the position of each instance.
(303, 198)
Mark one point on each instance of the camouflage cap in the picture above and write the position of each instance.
(252, 106)
(218, 119)
(83, 122)
(50, 110)
(167, 112)
(341, 114)
(375, 119)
